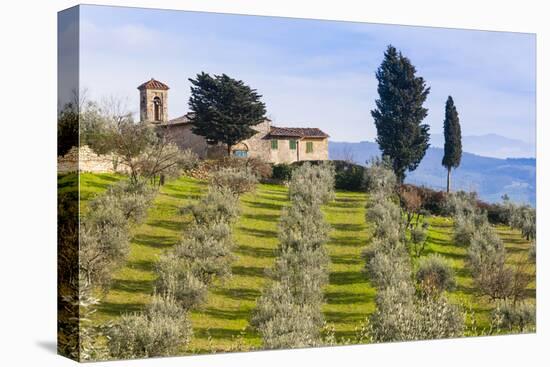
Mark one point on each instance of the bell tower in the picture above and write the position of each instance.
(153, 102)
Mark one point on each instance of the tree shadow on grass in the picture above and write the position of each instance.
(344, 317)
(153, 240)
(263, 217)
(347, 241)
(346, 204)
(238, 293)
(346, 260)
(347, 227)
(143, 265)
(226, 314)
(132, 286)
(255, 251)
(347, 298)
(346, 277)
(263, 205)
(249, 271)
(166, 224)
(265, 233)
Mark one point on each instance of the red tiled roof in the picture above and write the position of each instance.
(153, 84)
(298, 132)
(185, 119)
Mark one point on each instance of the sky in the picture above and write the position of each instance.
(311, 73)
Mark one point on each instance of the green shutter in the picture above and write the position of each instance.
(292, 144)
(309, 147)
(274, 144)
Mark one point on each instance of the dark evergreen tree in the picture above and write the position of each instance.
(67, 129)
(399, 113)
(224, 109)
(453, 139)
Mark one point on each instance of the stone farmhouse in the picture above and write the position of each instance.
(271, 144)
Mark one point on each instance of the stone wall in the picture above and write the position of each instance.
(85, 160)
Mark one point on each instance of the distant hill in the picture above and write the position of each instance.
(490, 145)
(490, 177)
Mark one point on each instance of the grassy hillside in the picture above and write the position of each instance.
(223, 323)
(440, 242)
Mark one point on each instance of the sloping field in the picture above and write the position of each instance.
(223, 323)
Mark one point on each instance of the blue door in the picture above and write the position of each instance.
(240, 153)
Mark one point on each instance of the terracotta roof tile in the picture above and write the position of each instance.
(153, 84)
(298, 132)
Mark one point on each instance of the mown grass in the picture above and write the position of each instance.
(223, 323)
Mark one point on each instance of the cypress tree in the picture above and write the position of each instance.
(399, 113)
(224, 109)
(453, 139)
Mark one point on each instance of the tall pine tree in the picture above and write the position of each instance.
(224, 109)
(399, 113)
(453, 140)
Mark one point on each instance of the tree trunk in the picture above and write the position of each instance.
(448, 179)
(228, 150)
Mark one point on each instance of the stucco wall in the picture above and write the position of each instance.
(258, 146)
(320, 149)
(283, 154)
(184, 138)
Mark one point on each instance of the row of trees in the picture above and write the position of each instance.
(185, 273)
(405, 310)
(398, 116)
(487, 256)
(288, 313)
(104, 236)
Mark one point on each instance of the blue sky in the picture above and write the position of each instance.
(310, 72)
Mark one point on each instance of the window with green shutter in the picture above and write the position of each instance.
(309, 147)
(274, 144)
(292, 144)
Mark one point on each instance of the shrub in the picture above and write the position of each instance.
(385, 215)
(399, 317)
(104, 241)
(388, 268)
(380, 178)
(219, 205)
(486, 250)
(302, 228)
(255, 166)
(159, 331)
(418, 236)
(176, 279)
(207, 251)
(312, 184)
(410, 200)
(349, 176)
(237, 180)
(305, 272)
(520, 317)
(77, 337)
(282, 172)
(133, 198)
(284, 323)
(435, 275)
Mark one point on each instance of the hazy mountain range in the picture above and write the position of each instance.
(490, 177)
(490, 145)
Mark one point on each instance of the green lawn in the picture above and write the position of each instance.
(223, 323)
